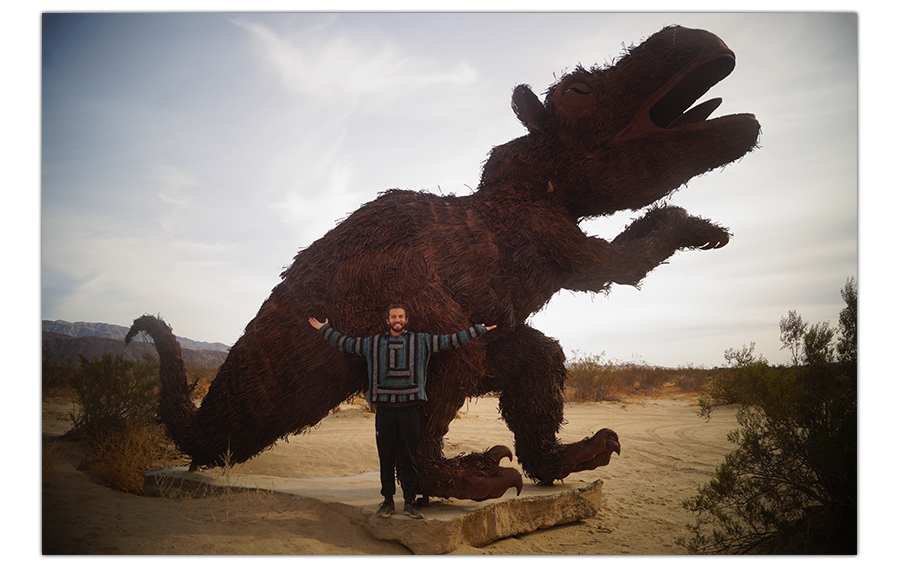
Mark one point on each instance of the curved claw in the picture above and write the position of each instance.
(703, 234)
(475, 476)
(604, 439)
(587, 454)
(500, 452)
(479, 488)
(718, 243)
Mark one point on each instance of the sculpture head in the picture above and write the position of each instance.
(622, 137)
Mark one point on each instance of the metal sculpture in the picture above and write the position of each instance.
(603, 140)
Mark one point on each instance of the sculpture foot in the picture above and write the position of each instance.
(476, 476)
(597, 450)
(587, 454)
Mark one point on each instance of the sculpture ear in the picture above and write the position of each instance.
(529, 109)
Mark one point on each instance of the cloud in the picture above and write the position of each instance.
(328, 64)
(327, 190)
(186, 158)
(109, 275)
(172, 187)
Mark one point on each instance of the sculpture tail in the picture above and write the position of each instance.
(175, 407)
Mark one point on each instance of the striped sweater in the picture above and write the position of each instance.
(397, 366)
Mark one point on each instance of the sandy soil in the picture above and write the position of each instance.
(667, 453)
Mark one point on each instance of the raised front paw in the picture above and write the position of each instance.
(703, 234)
(657, 223)
(664, 229)
(476, 476)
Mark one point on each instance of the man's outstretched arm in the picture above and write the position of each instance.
(453, 341)
(358, 346)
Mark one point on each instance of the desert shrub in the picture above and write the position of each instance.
(591, 378)
(791, 485)
(689, 379)
(846, 345)
(120, 457)
(594, 378)
(738, 384)
(641, 378)
(638, 376)
(56, 372)
(112, 391)
(200, 379)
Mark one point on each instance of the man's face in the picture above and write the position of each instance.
(397, 320)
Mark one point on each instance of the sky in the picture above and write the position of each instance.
(185, 158)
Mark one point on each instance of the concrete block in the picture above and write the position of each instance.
(448, 524)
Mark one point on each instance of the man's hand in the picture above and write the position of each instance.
(316, 324)
(488, 328)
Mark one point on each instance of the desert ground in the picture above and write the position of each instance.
(667, 453)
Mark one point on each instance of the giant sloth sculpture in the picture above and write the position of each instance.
(602, 141)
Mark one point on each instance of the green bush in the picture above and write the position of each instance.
(740, 382)
(112, 392)
(791, 485)
(56, 372)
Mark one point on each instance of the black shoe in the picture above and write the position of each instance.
(411, 510)
(385, 509)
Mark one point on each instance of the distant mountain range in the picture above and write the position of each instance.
(65, 340)
(101, 330)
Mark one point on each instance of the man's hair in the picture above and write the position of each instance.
(387, 313)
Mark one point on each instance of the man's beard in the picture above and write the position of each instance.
(398, 327)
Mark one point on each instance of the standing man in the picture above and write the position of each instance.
(396, 364)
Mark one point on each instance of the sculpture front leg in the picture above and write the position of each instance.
(644, 245)
(664, 230)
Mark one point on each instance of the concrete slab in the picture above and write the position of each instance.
(448, 524)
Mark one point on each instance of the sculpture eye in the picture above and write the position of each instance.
(580, 88)
(573, 99)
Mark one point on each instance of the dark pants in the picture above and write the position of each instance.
(397, 437)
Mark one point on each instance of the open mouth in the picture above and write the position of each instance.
(671, 110)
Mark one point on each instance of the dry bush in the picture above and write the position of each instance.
(56, 372)
(694, 380)
(201, 378)
(120, 457)
(211, 503)
(112, 392)
(594, 378)
(639, 377)
(591, 378)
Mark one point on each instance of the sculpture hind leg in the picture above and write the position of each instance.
(529, 370)
(476, 476)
